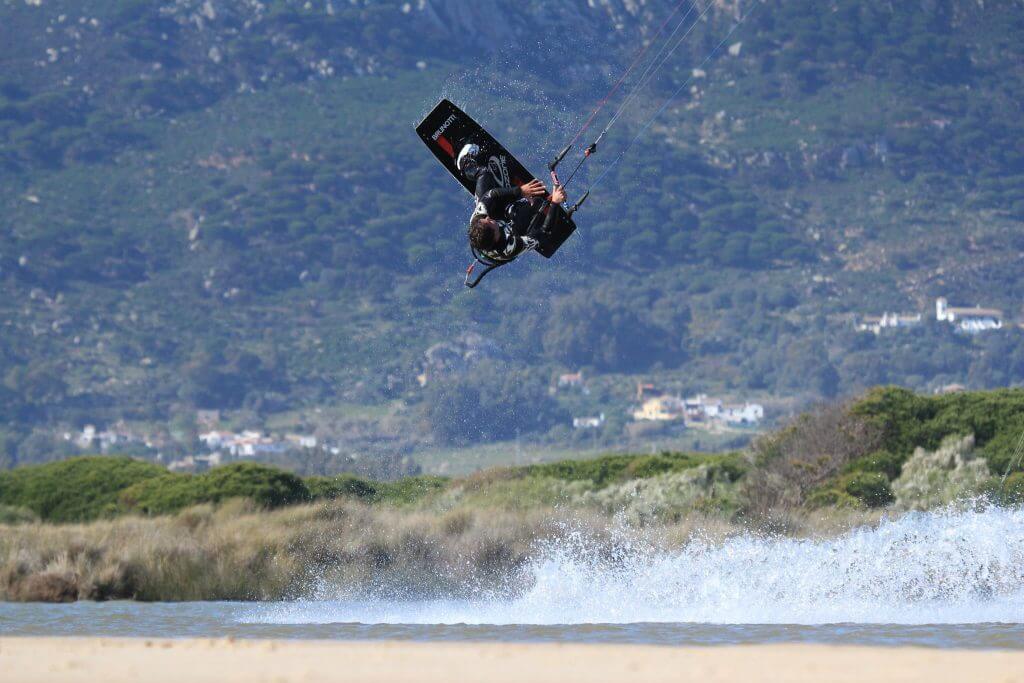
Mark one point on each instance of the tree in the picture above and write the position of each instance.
(605, 331)
(492, 403)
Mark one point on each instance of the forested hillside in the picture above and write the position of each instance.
(223, 205)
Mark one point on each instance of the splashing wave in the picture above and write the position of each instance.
(942, 567)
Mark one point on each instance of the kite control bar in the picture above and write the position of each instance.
(553, 166)
(558, 159)
(578, 204)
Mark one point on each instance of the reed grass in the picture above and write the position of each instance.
(237, 551)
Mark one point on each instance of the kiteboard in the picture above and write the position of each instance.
(447, 128)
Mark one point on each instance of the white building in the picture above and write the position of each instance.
(588, 422)
(87, 437)
(570, 380)
(748, 413)
(875, 324)
(215, 439)
(701, 407)
(301, 440)
(970, 320)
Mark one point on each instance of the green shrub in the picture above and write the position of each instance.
(403, 491)
(409, 490)
(909, 420)
(832, 498)
(268, 487)
(10, 514)
(161, 495)
(612, 468)
(889, 464)
(341, 486)
(1011, 491)
(1002, 452)
(74, 490)
(871, 488)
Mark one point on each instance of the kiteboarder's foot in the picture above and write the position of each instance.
(467, 161)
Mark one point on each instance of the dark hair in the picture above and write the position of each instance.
(482, 235)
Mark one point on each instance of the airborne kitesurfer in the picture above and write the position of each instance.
(505, 221)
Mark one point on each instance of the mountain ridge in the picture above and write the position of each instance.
(221, 205)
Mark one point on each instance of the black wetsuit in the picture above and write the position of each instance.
(515, 215)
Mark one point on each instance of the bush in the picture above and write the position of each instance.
(889, 464)
(832, 498)
(74, 490)
(10, 514)
(806, 456)
(910, 421)
(342, 486)
(268, 487)
(403, 491)
(409, 489)
(870, 488)
(1011, 491)
(611, 468)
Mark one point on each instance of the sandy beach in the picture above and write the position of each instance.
(49, 660)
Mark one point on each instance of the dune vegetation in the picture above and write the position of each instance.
(105, 527)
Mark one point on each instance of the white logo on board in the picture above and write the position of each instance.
(444, 126)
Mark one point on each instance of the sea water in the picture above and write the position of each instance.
(952, 578)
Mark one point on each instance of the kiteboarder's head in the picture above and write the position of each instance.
(484, 233)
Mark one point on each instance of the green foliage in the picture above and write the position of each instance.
(607, 331)
(909, 420)
(11, 514)
(491, 402)
(268, 487)
(74, 490)
(612, 468)
(341, 486)
(1011, 492)
(401, 492)
(409, 490)
(884, 462)
(870, 488)
(832, 498)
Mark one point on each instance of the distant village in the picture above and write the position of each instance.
(969, 320)
(651, 405)
(654, 405)
(217, 446)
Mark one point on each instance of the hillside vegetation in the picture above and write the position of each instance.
(246, 531)
(851, 455)
(222, 205)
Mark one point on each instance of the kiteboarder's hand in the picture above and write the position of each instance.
(534, 188)
(558, 195)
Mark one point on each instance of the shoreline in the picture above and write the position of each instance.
(114, 660)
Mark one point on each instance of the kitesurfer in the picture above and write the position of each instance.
(505, 221)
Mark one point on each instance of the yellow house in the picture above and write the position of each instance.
(661, 409)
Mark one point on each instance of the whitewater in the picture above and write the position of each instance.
(953, 566)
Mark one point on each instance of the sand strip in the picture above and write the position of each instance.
(49, 660)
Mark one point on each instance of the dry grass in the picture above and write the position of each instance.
(237, 552)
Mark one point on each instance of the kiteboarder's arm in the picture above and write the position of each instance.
(497, 199)
(557, 197)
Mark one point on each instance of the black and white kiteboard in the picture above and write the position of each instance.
(447, 128)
